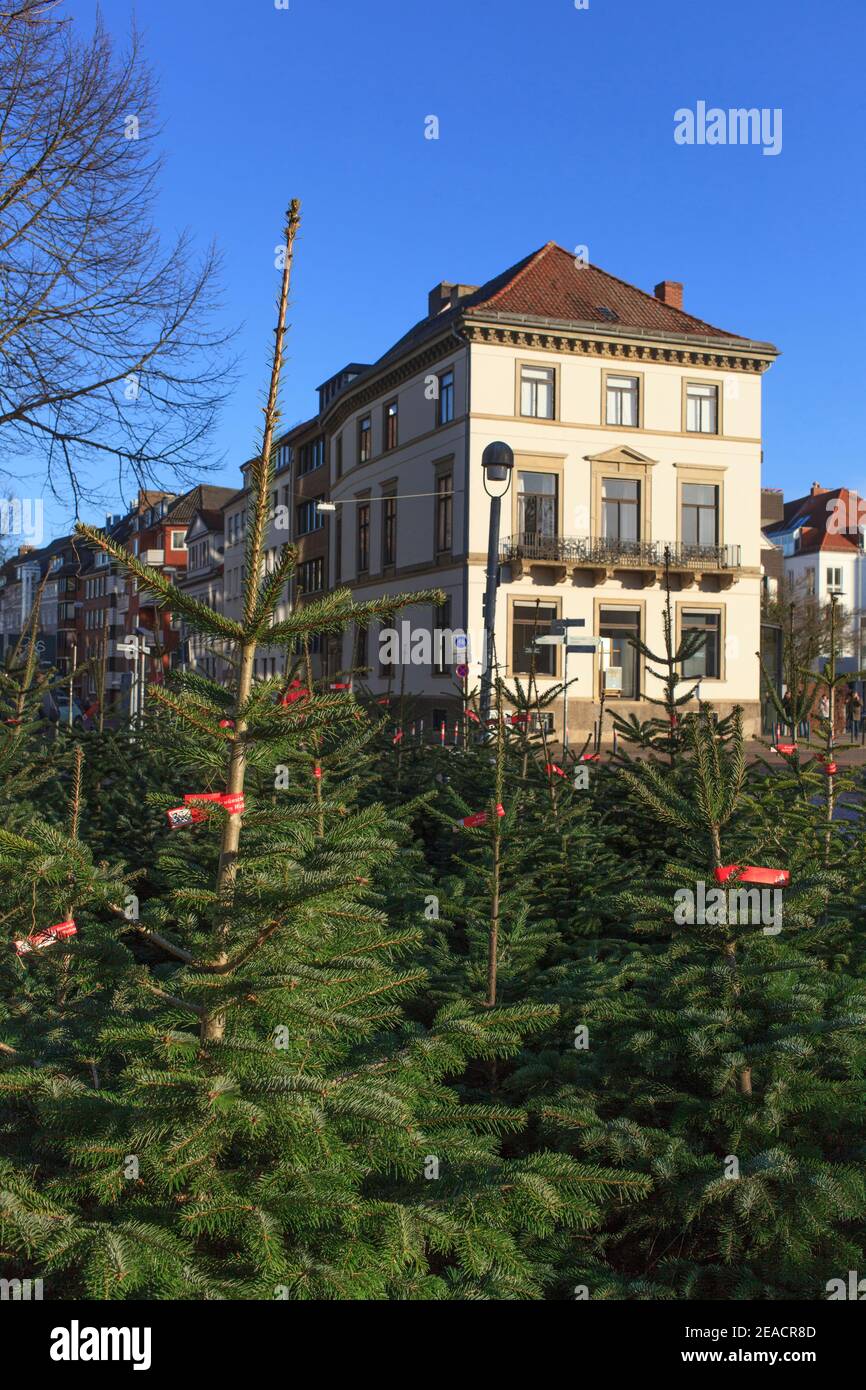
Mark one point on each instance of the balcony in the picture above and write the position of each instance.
(155, 558)
(602, 556)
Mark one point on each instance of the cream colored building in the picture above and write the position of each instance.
(635, 427)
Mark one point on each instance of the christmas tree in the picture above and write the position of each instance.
(259, 1115)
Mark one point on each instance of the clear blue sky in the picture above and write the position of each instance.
(556, 123)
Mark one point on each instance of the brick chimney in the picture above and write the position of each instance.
(816, 490)
(670, 292)
(439, 298)
(445, 296)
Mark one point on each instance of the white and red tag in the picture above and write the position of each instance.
(189, 814)
(552, 768)
(41, 939)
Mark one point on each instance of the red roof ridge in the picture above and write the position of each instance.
(525, 266)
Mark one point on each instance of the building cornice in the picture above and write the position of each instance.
(623, 345)
(387, 378)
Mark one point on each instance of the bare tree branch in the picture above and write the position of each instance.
(106, 343)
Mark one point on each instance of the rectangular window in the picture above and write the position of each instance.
(442, 638)
(621, 626)
(359, 647)
(338, 548)
(338, 456)
(623, 401)
(537, 504)
(538, 392)
(389, 531)
(620, 509)
(363, 537)
(445, 411)
(444, 513)
(702, 408)
(700, 518)
(365, 439)
(178, 540)
(311, 575)
(390, 430)
(528, 621)
(834, 578)
(311, 455)
(309, 518)
(706, 662)
(387, 662)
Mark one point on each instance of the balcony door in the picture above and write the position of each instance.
(537, 507)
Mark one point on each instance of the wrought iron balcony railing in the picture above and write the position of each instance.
(605, 551)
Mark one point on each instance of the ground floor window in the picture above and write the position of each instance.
(621, 626)
(706, 661)
(529, 621)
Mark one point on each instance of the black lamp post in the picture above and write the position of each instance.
(497, 462)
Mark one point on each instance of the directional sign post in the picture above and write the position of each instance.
(564, 633)
(136, 650)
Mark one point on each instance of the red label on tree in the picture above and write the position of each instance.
(479, 818)
(753, 873)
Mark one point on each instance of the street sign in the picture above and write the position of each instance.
(559, 626)
(587, 645)
(462, 672)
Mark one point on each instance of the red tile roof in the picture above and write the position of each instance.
(814, 513)
(551, 284)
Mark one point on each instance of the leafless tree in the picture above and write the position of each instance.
(107, 349)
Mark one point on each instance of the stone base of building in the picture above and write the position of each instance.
(583, 717)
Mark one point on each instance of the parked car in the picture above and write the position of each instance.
(55, 707)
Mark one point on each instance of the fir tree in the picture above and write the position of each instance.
(263, 1117)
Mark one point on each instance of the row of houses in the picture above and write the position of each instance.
(636, 437)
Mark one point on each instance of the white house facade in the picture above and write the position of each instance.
(636, 434)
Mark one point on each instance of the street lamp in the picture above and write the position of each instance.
(497, 462)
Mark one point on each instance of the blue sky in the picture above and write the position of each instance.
(555, 124)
